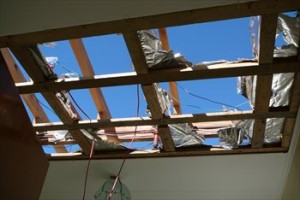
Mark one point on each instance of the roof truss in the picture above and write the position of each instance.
(264, 68)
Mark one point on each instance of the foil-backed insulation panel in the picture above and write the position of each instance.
(184, 135)
(156, 57)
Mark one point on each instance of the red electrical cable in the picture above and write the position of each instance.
(87, 168)
(132, 140)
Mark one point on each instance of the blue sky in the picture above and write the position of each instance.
(227, 40)
(219, 40)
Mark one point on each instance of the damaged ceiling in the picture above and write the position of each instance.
(269, 80)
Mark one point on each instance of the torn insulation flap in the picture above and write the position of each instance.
(183, 135)
(39, 58)
(64, 98)
(101, 145)
(164, 99)
(232, 137)
(156, 57)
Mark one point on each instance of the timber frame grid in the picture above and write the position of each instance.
(264, 69)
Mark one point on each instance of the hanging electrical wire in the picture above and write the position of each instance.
(129, 147)
(45, 106)
(193, 106)
(92, 147)
(81, 110)
(207, 99)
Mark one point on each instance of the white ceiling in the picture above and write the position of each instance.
(247, 176)
(253, 176)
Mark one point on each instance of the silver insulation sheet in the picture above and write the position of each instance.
(184, 135)
(156, 57)
(164, 99)
(231, 137)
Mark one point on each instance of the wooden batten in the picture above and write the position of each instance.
(174, 119)
(132, 78)
(268, 27)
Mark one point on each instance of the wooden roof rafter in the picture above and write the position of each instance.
(163, 35)
(30, 99)
(97, 95)
(265, 69)
(27, 59)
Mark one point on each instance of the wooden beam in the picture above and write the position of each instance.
(173, 87)
(166, 137)
(130, 78)
(87, 70)
(235, 10)
(173, 119)
(30, 55)
(140, 65)
(146, 133)
(195, 152)
(139, 61)
(35, 71)
(268, 27)
(30, 99)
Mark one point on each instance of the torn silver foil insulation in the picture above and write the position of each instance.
(64, 98)
(156, 57)
(184, 135)
(231, 137)
(164, 99)
(281, 83)
(101, 145)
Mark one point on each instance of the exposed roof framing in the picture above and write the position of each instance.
(34, 70)
(24, 47)
(30, 99)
